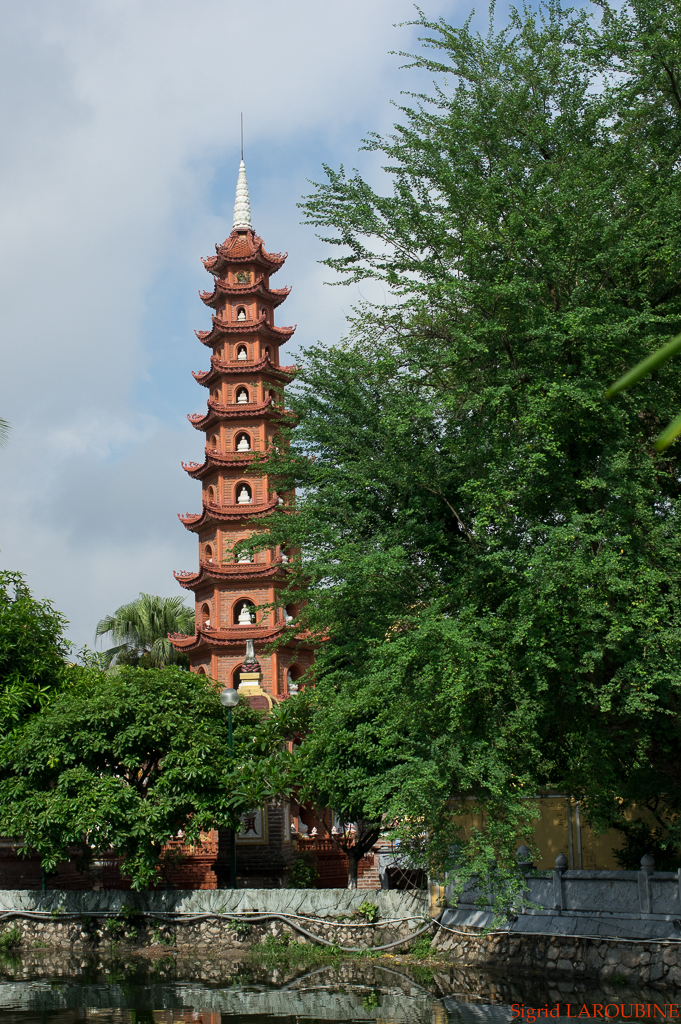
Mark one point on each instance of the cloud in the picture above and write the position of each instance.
(120, 128)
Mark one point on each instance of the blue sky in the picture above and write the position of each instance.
(120, 123)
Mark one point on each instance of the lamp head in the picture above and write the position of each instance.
(229, 698)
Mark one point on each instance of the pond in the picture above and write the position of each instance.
(58, 989)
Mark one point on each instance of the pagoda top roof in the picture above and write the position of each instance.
(194, 521)
(261, 325)
(217, 367)
(222, 288)
(243, 247)
(234, 571)
(217, 412)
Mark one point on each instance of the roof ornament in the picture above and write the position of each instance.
(242, 205)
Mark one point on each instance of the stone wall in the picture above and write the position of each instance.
(605, 924)
(209, 921)
(657, 963)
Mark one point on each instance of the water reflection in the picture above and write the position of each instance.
(54, 990)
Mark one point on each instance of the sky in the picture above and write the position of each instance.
(120, 128)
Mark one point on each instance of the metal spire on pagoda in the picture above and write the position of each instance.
(242, 205)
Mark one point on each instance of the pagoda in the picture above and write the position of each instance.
(236, 596)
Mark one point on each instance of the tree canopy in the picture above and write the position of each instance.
(141, 629)
(32, 651)
(120, 763)
(491, 549)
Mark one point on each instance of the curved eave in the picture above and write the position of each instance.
(194, 521)
(260, 326)
(223, 290)
(216, 413)
(212, 638)
(285, 374)
(198, 470)
(235, 572)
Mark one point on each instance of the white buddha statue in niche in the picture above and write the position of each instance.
(244, 497)
(244, 444)
(245, 615)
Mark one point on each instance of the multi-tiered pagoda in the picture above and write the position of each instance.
(236, 597)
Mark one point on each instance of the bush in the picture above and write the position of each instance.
(303, 874)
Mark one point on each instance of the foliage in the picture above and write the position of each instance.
(490, 553)
(120, 764)
(32, 651)
(141, 629)
(422, 946)
(10, 939)
(303, 874)
(640, 837)
(4, 432)
(641, 370)
(368, 910)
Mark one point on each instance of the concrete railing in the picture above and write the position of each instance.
(636, 904)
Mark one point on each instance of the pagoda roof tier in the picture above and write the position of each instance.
(198, 470)
(243, 247)
(234, 571)
(247, 411)
(217, 367)
(223, 289)
(260, 326)
(195, 521)
(231, 637)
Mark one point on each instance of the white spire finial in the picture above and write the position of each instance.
(242, 206)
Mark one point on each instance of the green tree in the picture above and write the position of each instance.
(4, 432)
(119, 764)
(141, 629)
(492, 551)
(32, 651)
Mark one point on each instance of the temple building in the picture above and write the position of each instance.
(236, 597)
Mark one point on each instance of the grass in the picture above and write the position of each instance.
(421, 947)
(285, 954)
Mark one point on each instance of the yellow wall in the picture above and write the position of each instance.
(552, 836)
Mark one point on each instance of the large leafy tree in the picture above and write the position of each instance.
(140, 631)
(492, 551)
(33, 651)
(120, 763)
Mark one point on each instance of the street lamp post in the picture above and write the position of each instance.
(229, 699)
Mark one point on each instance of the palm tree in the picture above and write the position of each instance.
(4, 432)
(141, 629)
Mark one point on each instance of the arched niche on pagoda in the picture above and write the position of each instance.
(205, 615)
(244, 612)
(208, 555)
(213, 443)
(242, 395)
(211, 495)
(242, 353)
(243, 493)
(243, 441)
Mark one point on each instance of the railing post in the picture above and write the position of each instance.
(644, 894)
(558, 896)
(523, 856)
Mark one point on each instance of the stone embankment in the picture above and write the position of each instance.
(623, 925)
(214, 921)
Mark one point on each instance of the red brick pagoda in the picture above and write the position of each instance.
(236, 598)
